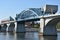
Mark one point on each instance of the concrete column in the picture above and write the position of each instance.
(7, 27)
(20, 27)
(15, 26)
(11, 27)
(42, 24)
(3, 28)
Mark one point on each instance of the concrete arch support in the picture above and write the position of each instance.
(48, 26)
(42, 24)
(7, 27)
(15, 26)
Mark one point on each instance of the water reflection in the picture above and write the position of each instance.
(15, 36)
(25, 36)
(48, 37)
(20, 36)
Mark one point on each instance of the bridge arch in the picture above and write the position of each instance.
(53, 21)
(50, 28)
(30, 12)
(27, 11)
(26, 14)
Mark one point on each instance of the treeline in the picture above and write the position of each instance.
(58, 25)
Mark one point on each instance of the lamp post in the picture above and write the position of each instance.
(42, 10)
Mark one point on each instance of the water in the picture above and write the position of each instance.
(27, 36)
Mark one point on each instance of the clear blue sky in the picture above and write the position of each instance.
(13, 7)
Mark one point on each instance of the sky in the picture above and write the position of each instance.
(13, 7)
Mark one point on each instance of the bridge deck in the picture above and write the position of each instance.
(33, 18)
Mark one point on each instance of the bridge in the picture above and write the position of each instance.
(47, 16)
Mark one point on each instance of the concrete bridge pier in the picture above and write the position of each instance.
(20, 27)
(7, 27)
(15, 27)
(42, 24)
(48, 26)
(3, 28)
(11, 27)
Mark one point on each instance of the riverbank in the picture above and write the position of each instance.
(58, 30)
(35, 29)
(32, 29)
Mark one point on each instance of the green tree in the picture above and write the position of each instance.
(58, 25)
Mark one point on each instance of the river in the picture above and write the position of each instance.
(26, 36)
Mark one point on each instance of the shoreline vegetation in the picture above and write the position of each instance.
(58, 25)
